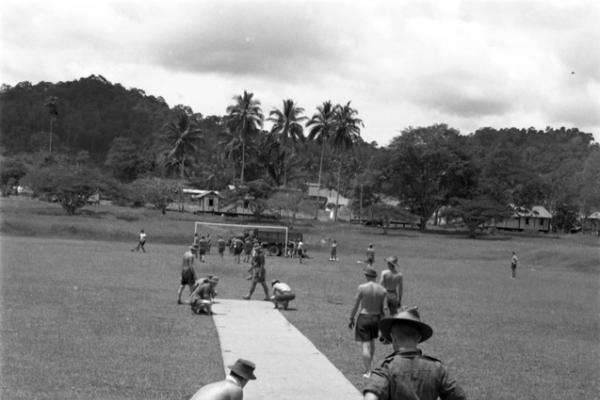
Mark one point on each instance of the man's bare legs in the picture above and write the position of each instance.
(181, 291)
(368, 351)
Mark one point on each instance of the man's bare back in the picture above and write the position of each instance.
(223, 390)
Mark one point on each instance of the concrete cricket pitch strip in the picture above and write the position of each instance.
(288, 365)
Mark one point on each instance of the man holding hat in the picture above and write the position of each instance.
(407, 374)
(282, 294)
(188, 275)
(391, 280)
(231, 388)
(372, 302)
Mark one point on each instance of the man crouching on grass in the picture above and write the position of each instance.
(231, 388)
(282, 294)
(201, 298)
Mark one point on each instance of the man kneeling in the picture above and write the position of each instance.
(282, 294)
(201, 298)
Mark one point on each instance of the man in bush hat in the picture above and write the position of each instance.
(407, 374)
(231, 388)
(372, 302)
(391, 280)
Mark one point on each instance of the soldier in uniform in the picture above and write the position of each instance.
(258, 274)
(231, 388)
(408, 374)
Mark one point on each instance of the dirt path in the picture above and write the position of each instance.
(288, 365)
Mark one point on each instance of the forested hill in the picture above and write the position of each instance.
(89, 114)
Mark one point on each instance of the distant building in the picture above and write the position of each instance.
(197, 200)
(330, 197)
(535, 219)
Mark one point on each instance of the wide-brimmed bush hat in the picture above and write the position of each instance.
(370, 272)
(243, 368)
(409, 317)
(392, 260)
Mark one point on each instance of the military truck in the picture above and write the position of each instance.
(274, 240)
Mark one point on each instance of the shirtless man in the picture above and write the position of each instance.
(370, 255)
(371, 300)
(231, 388)
(391, 280)
(202, 297)
(221, 246)
(188, 275)
(202, 248)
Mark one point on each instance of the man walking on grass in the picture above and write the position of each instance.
(221, 246)
(188, 275)
(407, 374)
(258, 274)
(391, 280)
(202, 248)
(513, 265)
(231, 388)
(333, 255)
(371, 304)
(370, 255)
(141, 242)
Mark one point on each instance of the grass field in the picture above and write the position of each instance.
(88, 318)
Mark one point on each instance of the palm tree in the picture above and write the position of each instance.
(288, 127)
(245, 117)
(321, 123)
(345, 134)
(181, 136)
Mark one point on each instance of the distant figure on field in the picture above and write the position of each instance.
(333, 255)
(208, 243)
(238, 247)
(231, 388)
(202, 248)
(371, 302)
(301, 250)
(407, 374)
(141, 242)
(370, 255)
(196, 244)
(282, 294)
(221, 246)
(513, 265)
(188, 275)
(258, 275)
(391, 280)
(248, 246)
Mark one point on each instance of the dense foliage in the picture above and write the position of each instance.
(128, 135)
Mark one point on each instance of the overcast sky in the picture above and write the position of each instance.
(401, 63)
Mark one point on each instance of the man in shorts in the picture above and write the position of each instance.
(141, 242)
(201, 298)
(258, 275)
(238, 248)
(231, 388)
(391, 280)
(282, 294)
(221, 246)
(370, 255)
(195, 243)
(248, 250)
(371, 304)
(202, 248)
(333, 255)
(513, 265)
(188, 275)
(301, 251)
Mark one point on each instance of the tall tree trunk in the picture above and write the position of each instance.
(181, 177)
(337, 196)
(243, 160)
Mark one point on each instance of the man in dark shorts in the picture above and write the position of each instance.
(248, 250)
(408, 374)
(392, 281)
(238, 247)
(258, 274)
(202, 248)
(301, 251)
(188, 275)
(333, 255)
(370, 255)
(282, 294)
(221, 246)
(371, 300)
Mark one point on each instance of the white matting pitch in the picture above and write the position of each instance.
(288, 365)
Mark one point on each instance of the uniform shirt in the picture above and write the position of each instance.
(414, 376)
(281, 287)
(371, 296)
(142, 237)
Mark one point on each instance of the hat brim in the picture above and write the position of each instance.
(243, 374)
(385, 327)
(391, 261)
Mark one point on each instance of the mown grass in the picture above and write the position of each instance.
(535, 337)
